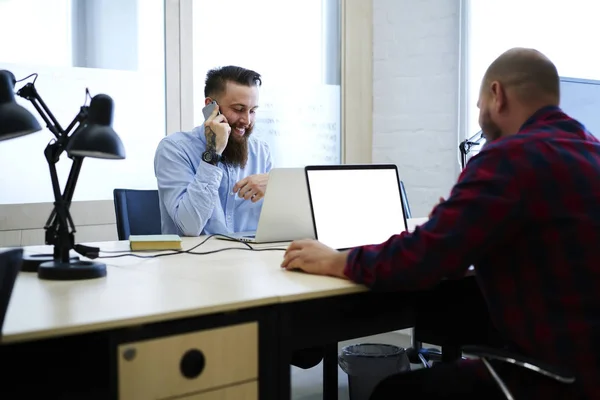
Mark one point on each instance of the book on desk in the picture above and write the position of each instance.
(154, 242)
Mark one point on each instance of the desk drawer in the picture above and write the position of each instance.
(245, 391)
(187, 363)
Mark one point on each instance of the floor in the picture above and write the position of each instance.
(307, 384)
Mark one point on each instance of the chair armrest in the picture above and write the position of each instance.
(555, 372)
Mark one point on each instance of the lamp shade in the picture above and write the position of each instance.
(15, 120)
(96, 138)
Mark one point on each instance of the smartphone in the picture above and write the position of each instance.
(208, 109)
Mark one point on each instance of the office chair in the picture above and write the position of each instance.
(10, 264)
(137, 212)
(416, 353)
(561, 375)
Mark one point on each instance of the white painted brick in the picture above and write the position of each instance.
(415, 95)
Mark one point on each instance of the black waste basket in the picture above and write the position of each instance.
(368, 364)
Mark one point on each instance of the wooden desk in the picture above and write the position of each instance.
(43, 309)
(134, 334)
(313, 310)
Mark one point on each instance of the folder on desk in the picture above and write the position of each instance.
(154, 242)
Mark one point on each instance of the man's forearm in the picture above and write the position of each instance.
(211, 139)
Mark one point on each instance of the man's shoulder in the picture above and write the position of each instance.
(505, 154)
(539, 147)
(184, 141)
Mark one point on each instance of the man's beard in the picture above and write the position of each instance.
(491, 131)
(236, 151)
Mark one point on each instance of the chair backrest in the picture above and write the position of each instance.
(10, 264)
(137, 212)
(405, 204)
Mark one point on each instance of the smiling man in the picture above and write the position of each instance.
(212, 179)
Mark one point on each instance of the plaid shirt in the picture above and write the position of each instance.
(525, 213)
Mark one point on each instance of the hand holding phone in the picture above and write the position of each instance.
(216, 128)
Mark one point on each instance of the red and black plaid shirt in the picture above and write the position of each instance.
(525, 213)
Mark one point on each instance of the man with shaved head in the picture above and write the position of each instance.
(515, 86)
(525, 213)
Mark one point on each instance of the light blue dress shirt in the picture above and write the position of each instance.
(197, 198)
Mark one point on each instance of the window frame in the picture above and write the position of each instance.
(356, 74)
(464, 100)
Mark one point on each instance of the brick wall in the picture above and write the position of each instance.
(415, 94)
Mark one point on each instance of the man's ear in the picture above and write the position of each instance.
(498, 95)
(207, 101)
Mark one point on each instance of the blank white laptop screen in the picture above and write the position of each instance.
(355, 206)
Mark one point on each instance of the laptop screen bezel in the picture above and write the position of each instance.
(309, 168)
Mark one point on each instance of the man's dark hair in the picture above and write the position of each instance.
(217, 78)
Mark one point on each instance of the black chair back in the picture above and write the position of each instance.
(10, 264)
(137, 212)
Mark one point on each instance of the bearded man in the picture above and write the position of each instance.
(211, 180)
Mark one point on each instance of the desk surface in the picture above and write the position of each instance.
(138, 291)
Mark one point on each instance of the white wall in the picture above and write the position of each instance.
(415, 94)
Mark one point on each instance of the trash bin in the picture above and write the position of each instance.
(368, 364)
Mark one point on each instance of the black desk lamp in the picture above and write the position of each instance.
(15, 120)
(89, 135)
(465, 146)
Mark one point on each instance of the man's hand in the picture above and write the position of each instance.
(216, 130)
(252, 187)
(434, 207)
(315, 258)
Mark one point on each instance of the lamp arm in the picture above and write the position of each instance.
(475, 136)
(79, 119)
(55, 232)
(67, 195)
(30, 93)
(465, 147)
(62, 238)
(73, 174)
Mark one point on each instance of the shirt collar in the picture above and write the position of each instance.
(543, 114)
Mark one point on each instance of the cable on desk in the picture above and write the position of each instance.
(191, 250)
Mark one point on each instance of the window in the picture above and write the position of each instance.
(114, 47)
(565, 32)
(295, 46)
(50, 42)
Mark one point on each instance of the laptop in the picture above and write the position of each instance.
(355, 205)
(285, 213)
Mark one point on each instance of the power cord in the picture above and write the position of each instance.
(191, 250)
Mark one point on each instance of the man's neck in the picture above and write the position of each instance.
(524, 114)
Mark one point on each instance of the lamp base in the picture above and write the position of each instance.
(31, 262)
(71, 271)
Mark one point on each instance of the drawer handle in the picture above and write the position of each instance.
(192, 363)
